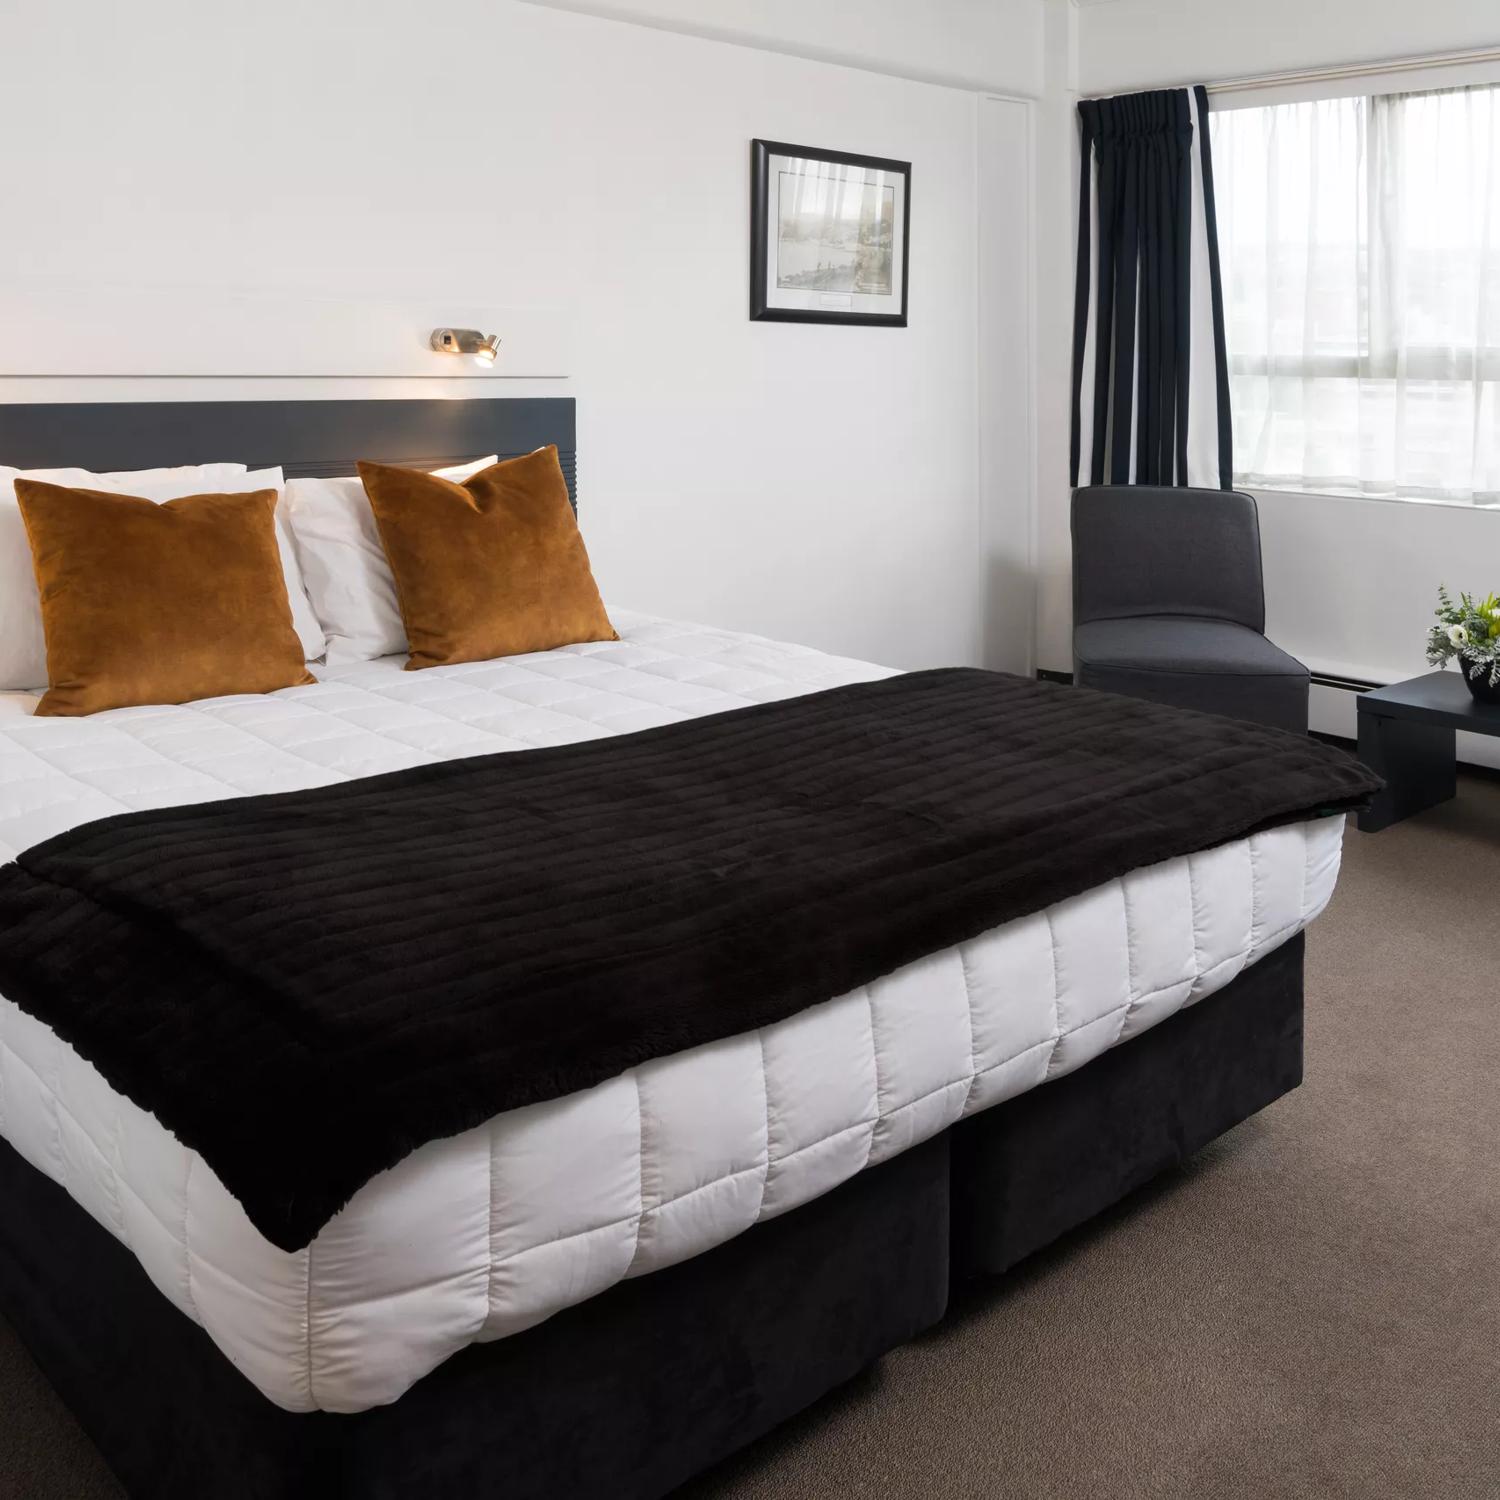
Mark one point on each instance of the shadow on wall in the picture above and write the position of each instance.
(1009, 643)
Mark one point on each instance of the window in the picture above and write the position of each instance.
(1360, 244)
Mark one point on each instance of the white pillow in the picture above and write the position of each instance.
(344, 567)
(23, 648)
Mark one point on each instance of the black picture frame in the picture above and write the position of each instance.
(761, 311)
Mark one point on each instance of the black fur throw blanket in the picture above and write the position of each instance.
(305, 987)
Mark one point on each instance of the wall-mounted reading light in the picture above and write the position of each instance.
(483, 346)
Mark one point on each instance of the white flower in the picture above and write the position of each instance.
(1458, 635)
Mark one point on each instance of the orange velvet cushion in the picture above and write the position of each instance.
(494, 566)
(147, 603)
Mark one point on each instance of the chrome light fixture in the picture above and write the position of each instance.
(483, 346)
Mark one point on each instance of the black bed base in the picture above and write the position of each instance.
(627, 1395)
(638, 1390)
(1029, 1170)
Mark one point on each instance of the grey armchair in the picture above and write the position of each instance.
(1168, 604)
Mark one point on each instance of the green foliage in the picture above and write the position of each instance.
(1469, 630)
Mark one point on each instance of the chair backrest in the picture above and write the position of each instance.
(1142, 550)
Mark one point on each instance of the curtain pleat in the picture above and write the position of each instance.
(1139, 168)
(1126, 277)
(1105, 291)
(1081, 293)
(1182, 319)
(1216, 279)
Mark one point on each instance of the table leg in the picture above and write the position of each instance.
(1418, 761)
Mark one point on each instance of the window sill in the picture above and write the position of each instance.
(1482, 506)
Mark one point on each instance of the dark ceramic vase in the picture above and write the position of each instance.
(1480, 686)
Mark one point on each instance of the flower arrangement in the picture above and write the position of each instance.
(1469, 630)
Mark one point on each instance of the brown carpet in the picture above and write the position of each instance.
(1311, 1308)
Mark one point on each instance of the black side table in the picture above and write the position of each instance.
(1406, 735)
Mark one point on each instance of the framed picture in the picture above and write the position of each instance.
(828, 236)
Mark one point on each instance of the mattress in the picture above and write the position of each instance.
(484, 1234)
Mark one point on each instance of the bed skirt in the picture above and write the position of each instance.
(639, 1389)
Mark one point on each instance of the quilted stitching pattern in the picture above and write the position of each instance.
(549, 1205)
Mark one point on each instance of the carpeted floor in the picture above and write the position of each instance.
(1311, 1309)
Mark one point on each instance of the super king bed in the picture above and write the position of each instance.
(541, 1075)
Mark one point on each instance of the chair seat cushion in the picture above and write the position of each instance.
(1181, 643)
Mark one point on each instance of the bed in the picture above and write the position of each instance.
(604, 1292)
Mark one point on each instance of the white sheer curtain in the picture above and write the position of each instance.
(1360, 243)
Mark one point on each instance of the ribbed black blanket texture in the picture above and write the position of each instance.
(305, 987)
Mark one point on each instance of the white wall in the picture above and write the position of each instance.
(1007, 401)
(820, 484)
(1350, 583)
(992, 45)
(1056, 231)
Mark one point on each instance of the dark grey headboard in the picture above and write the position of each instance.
(303, 437)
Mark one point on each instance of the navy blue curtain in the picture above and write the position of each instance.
(1138, 166)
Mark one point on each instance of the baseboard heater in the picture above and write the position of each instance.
(1319, 679)
(1347, 684)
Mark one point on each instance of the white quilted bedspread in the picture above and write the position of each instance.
(489, 1232)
